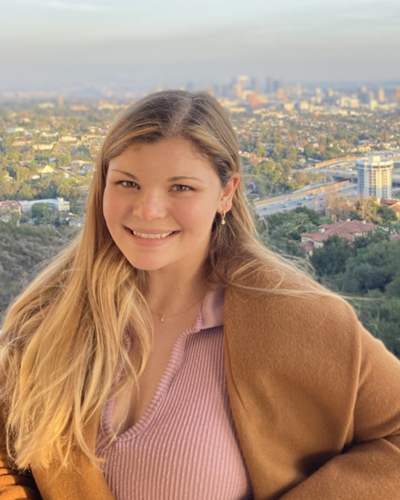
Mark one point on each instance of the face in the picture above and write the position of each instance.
(160, 202)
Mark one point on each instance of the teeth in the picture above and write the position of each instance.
(151, 236)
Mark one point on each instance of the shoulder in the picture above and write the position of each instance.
(290, 303)
(300, 347)
(290, 332)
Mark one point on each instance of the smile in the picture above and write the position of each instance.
(149, 236)
(152, 239)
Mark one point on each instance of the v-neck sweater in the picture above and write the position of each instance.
(185, 444)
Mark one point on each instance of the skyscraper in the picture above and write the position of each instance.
(374, 177)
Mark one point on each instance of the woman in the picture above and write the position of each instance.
(167, 354)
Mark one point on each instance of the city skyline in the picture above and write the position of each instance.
(45, 44)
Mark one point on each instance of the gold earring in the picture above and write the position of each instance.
(223, 221)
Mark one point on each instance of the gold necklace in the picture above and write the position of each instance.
(163, 317)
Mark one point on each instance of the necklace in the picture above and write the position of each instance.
(163, 316)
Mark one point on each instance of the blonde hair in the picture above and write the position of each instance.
(63, 337)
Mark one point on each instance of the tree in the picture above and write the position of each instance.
(309, 151)
(381, 316)
(332, 257)
(63, 160)
(366, 209)
(393, 289)
(338, 206)
(42, 214)
(387, 215)
(301, 178)
(371, 268)
(364, 277)
(26, 192)
(377, 236)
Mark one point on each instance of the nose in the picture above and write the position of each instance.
(149, 205)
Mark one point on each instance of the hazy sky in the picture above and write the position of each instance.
(170, 42)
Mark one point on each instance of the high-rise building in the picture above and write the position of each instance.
(243, 81)
(362, 94)
(273, 85)
(269, 85)
(255, 85)
(374, 177)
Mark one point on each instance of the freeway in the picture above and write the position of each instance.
(317, 201)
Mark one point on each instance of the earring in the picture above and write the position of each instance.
(223, 221)
(223, 218)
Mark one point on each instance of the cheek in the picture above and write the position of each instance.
(112, 210)
(107, 208)
(198, 219)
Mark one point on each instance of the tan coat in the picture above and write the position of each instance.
(315, 401)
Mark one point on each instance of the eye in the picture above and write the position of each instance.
(181, 188)
(127, 184)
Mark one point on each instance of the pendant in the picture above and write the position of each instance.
(162, 318)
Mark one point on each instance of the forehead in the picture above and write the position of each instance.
(178, 154)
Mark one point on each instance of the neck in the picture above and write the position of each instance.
(172, 295)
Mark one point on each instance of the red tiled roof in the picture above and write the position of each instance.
(8, 204)
(343, 229)
(390, 202)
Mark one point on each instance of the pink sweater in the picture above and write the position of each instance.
(184, 446)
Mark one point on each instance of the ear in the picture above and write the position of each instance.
(225, 202)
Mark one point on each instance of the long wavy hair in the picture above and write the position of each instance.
(63, 337)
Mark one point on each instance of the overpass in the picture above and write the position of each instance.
(343, 175)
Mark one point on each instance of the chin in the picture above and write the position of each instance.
(145, 266)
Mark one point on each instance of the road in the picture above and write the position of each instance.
(318, 201)
(315, 202)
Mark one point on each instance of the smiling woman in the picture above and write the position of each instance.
(154, 212)
(166, 354)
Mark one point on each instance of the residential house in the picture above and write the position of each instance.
(349, 229)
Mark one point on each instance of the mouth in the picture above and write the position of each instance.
(151, 236)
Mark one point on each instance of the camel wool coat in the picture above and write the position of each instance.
(315, 401)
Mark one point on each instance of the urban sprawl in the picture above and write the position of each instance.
(336, 151)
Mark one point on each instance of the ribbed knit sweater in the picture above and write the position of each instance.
(185, 445)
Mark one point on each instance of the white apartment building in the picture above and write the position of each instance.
(374, 177)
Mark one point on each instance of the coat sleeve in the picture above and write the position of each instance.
(13, 484)
(370, 467)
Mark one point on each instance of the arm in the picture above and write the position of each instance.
(370, 468)
(14, 486)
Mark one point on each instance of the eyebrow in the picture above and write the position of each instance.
(171, 179)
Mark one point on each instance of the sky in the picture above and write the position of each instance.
(157, 43)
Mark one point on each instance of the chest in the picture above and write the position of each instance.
(184, 445)
(164, 340)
